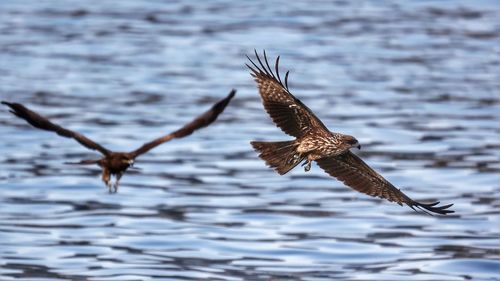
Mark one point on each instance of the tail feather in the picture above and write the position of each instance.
(281, 156)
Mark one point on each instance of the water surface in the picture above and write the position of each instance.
(417, 83)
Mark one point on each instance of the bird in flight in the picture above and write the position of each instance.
(116, 163)
(314, 142)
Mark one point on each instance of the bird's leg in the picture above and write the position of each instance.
(106, 179)
(307, 165)
(118, 177)
(311, 157)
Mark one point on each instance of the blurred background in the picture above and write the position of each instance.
(417, 82)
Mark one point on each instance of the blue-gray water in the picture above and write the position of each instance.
(417, 83)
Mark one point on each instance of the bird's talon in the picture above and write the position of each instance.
(307, 166)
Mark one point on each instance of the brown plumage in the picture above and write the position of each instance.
(314, 142)
(116, 163)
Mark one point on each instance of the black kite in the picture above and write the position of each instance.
(314, 142)
(116, 163)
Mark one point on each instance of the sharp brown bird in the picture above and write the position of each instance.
(314, 142)
(116, 163)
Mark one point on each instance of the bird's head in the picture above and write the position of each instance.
(350, 142)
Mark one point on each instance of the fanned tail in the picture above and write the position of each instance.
(281, 156)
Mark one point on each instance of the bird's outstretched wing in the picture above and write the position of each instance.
(288, 112)
(40, 122)
(356, 174)
(201, 121)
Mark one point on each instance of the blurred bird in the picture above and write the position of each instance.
(116, 163)
(314, 142)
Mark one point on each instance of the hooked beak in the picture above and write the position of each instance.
(359, 146)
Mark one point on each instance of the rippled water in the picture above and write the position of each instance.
(418, 84)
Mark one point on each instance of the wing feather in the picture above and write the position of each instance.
(40, 122)
(199, 122)
(287, 112)
(355, 173)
